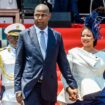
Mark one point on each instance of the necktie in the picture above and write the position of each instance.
(42, 43)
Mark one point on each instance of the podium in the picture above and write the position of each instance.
(10, 13)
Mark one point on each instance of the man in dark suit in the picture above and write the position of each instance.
(35, 68)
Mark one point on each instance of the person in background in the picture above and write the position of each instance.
(88, 66)
(7, 62)
(68, 6)
(99, 7)
(96, 4)
(73, 7)
(39, 49)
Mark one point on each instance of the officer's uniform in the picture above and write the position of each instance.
(7, 63)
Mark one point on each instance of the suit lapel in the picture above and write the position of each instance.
(51, 44)
(35, 42)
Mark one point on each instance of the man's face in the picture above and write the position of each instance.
(12, 40)
(41, 18)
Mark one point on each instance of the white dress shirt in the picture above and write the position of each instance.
(39, 39)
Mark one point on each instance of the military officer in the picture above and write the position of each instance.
(7, 61)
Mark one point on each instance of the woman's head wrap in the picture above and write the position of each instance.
(92, 22)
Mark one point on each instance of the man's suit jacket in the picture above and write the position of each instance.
(30, 64)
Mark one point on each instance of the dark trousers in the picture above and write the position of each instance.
(35, 97)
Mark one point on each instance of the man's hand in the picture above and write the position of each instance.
(73, 94)
(19, 97)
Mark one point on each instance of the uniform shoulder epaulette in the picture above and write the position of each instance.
(1, 49)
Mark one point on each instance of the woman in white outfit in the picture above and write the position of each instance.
(88, 67)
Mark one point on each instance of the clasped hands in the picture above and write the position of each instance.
(73, 94)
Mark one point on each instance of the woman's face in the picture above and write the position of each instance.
(87, 38)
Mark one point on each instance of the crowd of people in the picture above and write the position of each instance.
(28, 64)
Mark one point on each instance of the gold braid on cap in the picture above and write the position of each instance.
(13, 33)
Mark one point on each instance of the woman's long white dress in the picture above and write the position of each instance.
(87, 69)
